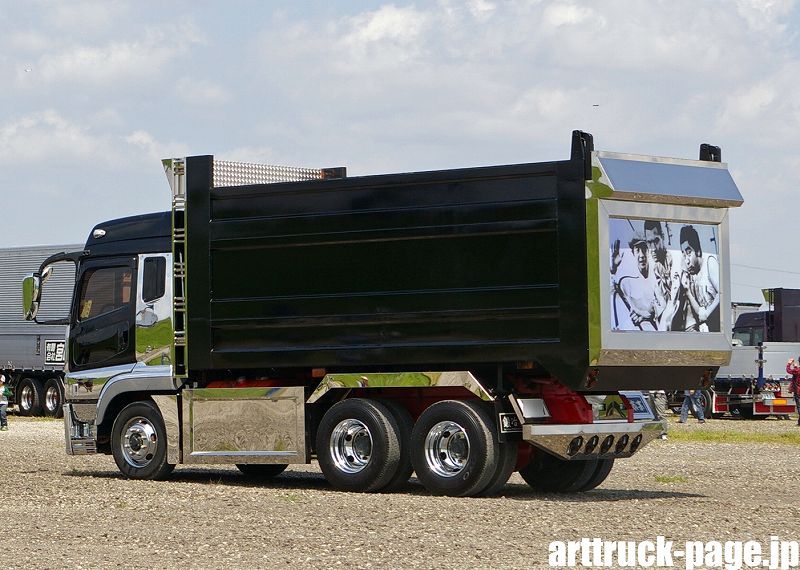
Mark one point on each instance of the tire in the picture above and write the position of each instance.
(29, 397)
(139, 442)
(549, 474)
(454, 448)
(600, 474)
(507, 453)
(358, 445)
(53, 400)
(706, 399)
(404, 424)
(261, 470)
(746, 412)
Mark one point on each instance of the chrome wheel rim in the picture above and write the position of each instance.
(139, 442)
(447, 449)
(26, 397)
(51, 398)
(351, 446)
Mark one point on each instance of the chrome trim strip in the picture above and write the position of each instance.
(462, 379)
(87, 384)
(635, 348)
(244, 454)
(660, 159)
(141, 378)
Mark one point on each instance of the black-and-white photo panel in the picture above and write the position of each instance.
(665, 276)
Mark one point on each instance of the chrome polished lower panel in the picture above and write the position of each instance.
(244, 425)
(168, 406)
(556, 439)
(79, 436)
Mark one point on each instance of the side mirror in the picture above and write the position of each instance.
(31, 294)
(46, 274)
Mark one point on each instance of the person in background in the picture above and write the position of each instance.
(4, 394)
(691, 398)
(794, 387)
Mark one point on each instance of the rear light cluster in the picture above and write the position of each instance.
(608, 445)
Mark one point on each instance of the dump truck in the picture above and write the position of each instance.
(460, 324)
(755, 384)
(32, 356)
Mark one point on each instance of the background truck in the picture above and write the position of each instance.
(460, 324)
(32, 355)
(755, 383)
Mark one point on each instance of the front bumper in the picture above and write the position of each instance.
(605, 440)
(80, 434)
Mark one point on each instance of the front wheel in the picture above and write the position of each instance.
(139, 442)
(454, 449)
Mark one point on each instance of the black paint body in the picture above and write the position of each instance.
(456, 269)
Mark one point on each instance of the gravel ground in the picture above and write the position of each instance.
(77, 512)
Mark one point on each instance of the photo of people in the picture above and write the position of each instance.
(664, 276)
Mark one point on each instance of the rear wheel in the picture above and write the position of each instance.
(707, 401)
(507, 460)
(29, 397)
(139, 442)
(404, 426)
(261, 470)
(358, 445)
(549, 474)
(600, 474)
(53, 398)
(454, 448)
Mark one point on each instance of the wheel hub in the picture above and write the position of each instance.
(139, 442)
(447, 449)
(351, 446)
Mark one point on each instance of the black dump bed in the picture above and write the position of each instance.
(432, 270)
(461, 269)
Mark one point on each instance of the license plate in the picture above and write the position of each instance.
(509, 423)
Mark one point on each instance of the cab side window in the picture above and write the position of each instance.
(104, 290)
(153, 284)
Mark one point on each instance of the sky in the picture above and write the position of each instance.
(95, 94)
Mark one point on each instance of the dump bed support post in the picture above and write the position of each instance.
(582, 147)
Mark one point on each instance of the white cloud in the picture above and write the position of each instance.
(85, 15)
(201, 92)
(558, 15)
(481, 9)
(384, 38)
(154, 150)
(113, 61)
(48, 137)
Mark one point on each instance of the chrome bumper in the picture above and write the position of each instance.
(606, 440)
(79, 429)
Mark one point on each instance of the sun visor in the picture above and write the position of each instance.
(666, 180)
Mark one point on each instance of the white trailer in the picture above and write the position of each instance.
(32, 354)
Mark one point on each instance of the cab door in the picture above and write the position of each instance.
(104, 314)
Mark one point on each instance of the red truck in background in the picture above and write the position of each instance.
(755, 384)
